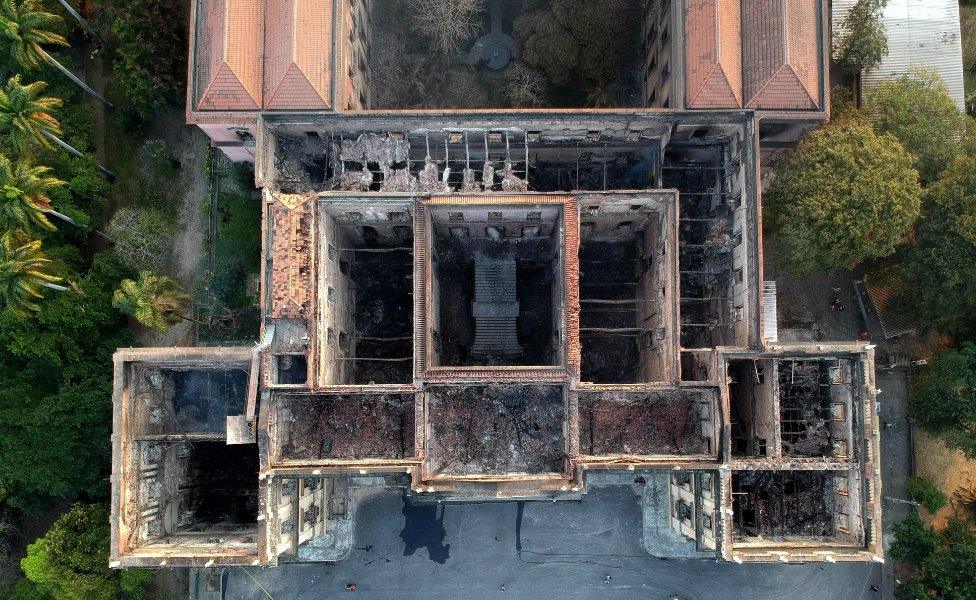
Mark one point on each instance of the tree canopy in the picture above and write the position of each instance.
(845, 194)
(578, 40)
(943, 398)
(945, 560)
(862, 43)
(55, 404)
(71, 561)
(939, 266)
(918, 111)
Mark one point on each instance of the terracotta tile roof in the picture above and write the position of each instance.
(713, 54)
(298, 67)
(230, 35)
(781, 54)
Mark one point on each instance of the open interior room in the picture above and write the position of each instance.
(497, 284)
(626, 274)
(366, 293)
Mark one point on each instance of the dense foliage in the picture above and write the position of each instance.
(943, 398)
(944, 561)
(71, 561)
(844, 195)
(579, 42)
(940, 265)
(150, 57)
(918, 111)
(861, 44)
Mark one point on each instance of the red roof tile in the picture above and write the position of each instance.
(713, 54)
(781, 54)
(298, 67)
(228, 58)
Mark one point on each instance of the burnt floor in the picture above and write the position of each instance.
(495, 429)
(644, 423)
(783, 504)
(536, 263)
(348, 426)
(384, 315)
(608, 293)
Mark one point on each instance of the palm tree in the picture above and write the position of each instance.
(25, 27)
(156, 301)
(27, 118)
(24, 273)
(24, 201)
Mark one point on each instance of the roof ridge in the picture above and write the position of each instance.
(802, 84)
(703, 83)
(213, 81)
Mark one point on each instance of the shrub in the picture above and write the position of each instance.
(927, 494)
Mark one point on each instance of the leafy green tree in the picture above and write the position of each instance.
(578, 42)
(71, 561)
(939, 265)
(845, 194)
(149, 71)
(156, 301)
(24, 273)
(24, 201)
(24, 27)
(862, 43)
(918, 111)
(927, 494)
(945, 560)
(943, 398)
(56, 397)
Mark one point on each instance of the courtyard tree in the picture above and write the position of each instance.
(24, 201)
(943, 398)
(939, 265)
(862, 44)
(845, 194)
(447, 23)
(24, 273)
(918, 111)
(25, 26)
(525, 86)
(156, 301)
(71, 561)
(578, 39)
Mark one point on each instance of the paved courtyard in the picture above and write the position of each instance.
(563, 550)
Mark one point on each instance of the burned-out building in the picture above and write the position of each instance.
(494, 305)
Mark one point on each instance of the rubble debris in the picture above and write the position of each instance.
(347, 426)
(493, 429)
(668, 421)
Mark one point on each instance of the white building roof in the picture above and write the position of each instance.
(922, 34)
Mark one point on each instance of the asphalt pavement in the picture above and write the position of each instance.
(539, 551)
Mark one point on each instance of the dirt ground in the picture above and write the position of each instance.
(948, 469)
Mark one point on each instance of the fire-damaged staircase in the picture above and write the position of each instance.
(495, 307)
